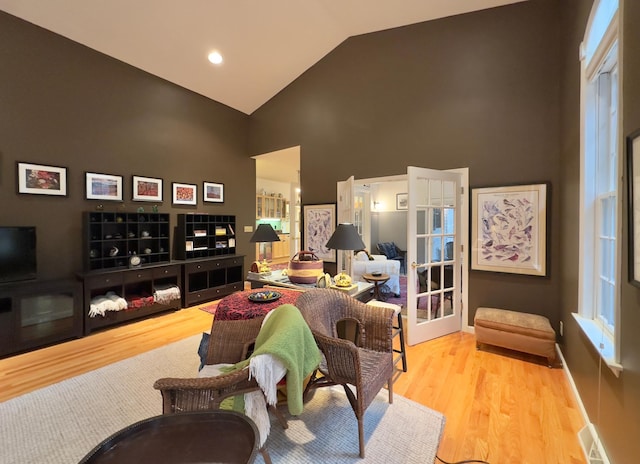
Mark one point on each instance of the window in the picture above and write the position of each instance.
(600, 183)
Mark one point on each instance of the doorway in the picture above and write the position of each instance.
(278, 202)
(383, 204)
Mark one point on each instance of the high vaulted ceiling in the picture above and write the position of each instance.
(265, 44)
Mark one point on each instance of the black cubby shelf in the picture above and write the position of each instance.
(204, 236)
(111, 238)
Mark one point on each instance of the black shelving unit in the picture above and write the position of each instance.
(110, 238)
(204, 236)
(206, 279)
(130, 284)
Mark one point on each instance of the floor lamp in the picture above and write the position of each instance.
(345, 237)
(264, 234)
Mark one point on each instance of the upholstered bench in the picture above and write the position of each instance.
(528, 333)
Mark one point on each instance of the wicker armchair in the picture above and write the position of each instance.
(230, 342)
(362, 367)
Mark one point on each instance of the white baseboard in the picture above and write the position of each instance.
(588, 435)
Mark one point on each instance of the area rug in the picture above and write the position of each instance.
(61, 423)
(209, 308)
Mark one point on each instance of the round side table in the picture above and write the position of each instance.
(187, 437)
(378, 281)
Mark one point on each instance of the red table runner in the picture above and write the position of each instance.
(238, 305)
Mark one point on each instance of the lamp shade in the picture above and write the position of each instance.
(345, 237)
(264, 233)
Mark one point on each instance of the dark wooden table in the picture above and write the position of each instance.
(377, 281)
(188, 437)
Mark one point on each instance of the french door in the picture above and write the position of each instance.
(434, 256)
(437, 228)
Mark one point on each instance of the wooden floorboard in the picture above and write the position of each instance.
(500, 406)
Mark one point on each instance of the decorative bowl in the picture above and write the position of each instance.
(265, 296)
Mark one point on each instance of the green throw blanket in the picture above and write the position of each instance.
(286, 335)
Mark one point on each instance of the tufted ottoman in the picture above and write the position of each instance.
(529, 333)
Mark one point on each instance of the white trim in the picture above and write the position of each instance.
(602, 51)
(464, 233)
(600, 341)
(612, 36)
(593, 433)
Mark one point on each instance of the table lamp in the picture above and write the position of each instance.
(264, 234)
(345, 237)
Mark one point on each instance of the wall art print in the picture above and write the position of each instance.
(103, 186)
(402, 201)
(633, 176)
(146, 189)
(319, 225)
(509, 229)
(38, 179)
(184, 194)
(213, 192)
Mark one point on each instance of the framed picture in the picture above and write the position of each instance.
(147, 189)
(509, 229)
(184, 194)
(213, 192)
(39, 179)
(103, 186)
(402, 201)
(319, 224)
(633, 174)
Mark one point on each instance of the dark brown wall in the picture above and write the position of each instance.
(475, 90)
(624, 400)
(497, 91)
(616, 414)
(64, 104)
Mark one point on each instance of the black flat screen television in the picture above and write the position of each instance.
(17, 254)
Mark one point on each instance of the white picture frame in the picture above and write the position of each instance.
(319, 224)
(509, 229)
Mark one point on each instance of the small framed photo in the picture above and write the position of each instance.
(213, 192)
(402, 201)
(103, 186)
(39, 179)
(147, 189)
(184, 194)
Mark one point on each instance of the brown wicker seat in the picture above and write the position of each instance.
(229, 342)
(363, 367)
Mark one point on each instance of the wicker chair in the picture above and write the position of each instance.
(230, 342)
(362, 367)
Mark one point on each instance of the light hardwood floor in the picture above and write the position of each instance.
(500, 406)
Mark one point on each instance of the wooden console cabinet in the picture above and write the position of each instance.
(207, 279)
(34, 314)
(129, 284)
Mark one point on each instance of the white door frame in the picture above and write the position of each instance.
(464, 232)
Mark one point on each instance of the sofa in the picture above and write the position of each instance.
(365, 263)
(393, 251)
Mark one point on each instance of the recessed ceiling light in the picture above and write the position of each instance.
(215, 57)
